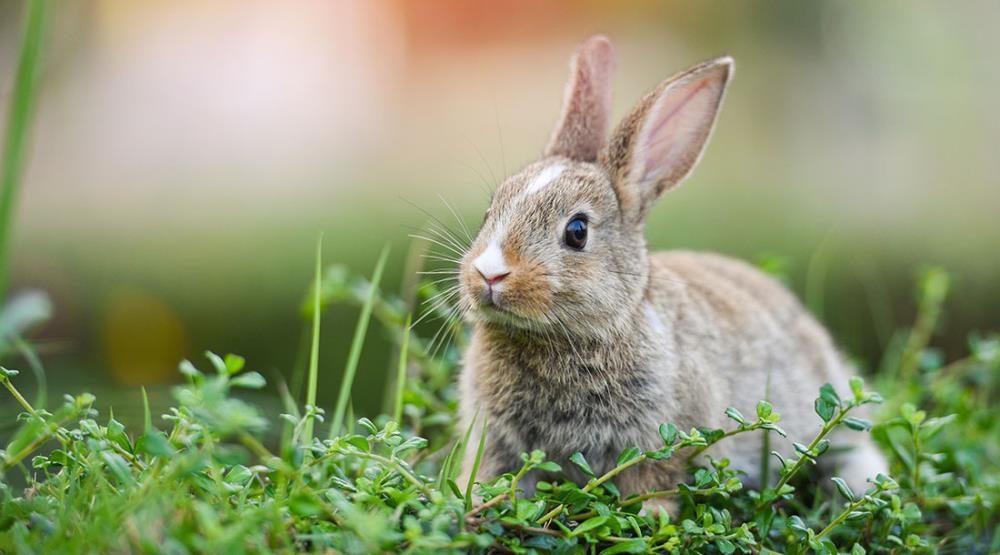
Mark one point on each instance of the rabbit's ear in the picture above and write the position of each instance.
(658, 144)
(582, 128)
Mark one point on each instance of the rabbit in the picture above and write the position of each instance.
(583, 341)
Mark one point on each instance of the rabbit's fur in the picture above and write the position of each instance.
(591, 350)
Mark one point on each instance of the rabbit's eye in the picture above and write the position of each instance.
(576, 232)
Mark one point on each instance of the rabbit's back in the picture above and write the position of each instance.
(745, 334)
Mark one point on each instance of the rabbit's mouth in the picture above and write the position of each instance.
(502, 314)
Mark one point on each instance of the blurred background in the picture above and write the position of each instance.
(186, 155)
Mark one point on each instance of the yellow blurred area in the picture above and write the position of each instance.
(143, 338)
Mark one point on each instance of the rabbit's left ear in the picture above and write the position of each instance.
(657, 145)
(583, 124)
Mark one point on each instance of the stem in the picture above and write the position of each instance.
(840, 518)
(827, 428)
(488, 505)
(17, 395)
(701, 449)
(594, 483)
(22, 103)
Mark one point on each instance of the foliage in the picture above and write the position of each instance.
(207, 482)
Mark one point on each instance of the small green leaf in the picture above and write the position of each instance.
(628, 455)
(843, 488)
(581, 463)
(188, 369)
(589, 524)
(764, 409)
(239, 474)
(635, 545)
(857, 388)
(736, 415)
(305, 504)
(669, 433)
(549, 466)
(408, 445)
(118, 467)
(154, 442)
(234, 363)
(726, 547)
(249, 380)
(857, 424)
(217, 362)
(825, 409)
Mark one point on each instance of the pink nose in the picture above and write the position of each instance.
(494, 279)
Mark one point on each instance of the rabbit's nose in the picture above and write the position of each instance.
(492, 280)
(491, 265)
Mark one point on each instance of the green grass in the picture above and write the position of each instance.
(15, 141)
(201, 478)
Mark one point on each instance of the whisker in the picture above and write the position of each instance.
(438, 243)
(461, 222)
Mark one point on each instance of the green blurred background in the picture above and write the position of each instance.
(186, 156)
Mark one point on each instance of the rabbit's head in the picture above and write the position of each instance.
(561, 247)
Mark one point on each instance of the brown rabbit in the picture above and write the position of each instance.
(584, 341)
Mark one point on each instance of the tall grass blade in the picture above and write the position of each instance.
(354, 356)
(397, 413)
(290, 407)
(147, 417)
(22, 103)
(457, 453)
(307, 431)
(475, 464)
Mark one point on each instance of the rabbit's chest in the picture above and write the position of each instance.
(595, 410)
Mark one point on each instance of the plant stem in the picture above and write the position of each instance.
(21, 107)
(840, 518)
(827, 428)
(314, 345)
(594, 483)
(17, 394)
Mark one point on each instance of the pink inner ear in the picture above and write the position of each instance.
(674, 135)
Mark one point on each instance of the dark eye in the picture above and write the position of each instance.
(576, 232)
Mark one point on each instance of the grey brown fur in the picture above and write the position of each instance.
(592, 350)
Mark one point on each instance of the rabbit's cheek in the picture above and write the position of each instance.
(526, 292)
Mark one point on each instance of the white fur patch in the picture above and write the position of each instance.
(491, 262)
(654, 319)
(544, 177)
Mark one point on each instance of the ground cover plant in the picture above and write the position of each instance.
(205, 478)
(200, 479)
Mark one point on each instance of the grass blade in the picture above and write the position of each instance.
(307, 431)
(457, 453)
(397, 413)
(475, 465)
(354, 356)
(22, 103)
(147, 417)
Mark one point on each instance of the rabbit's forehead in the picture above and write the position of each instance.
(546, 190)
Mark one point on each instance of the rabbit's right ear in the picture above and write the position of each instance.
(582, 128)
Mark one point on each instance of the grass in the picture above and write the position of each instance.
(22, 103)
(201, 478)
